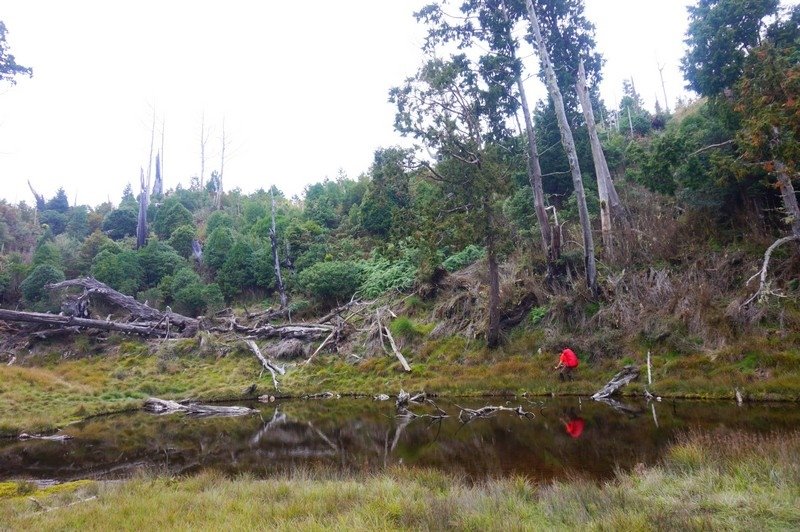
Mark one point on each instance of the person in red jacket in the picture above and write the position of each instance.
(566, 364)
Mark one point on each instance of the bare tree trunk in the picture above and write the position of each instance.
(600, 165)
(569, 147)
(787, 189)
(38, 197)
(158, 185)
(218, 199)
(493, 324)
(533, 165)
(203, 140)
(273, 237)
(789, 196)
(141, 223)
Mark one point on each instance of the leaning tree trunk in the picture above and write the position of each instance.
(273, 238)
(534, 167)
(493, 322)
(569, 147)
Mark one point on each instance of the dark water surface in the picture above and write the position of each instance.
(568, 437)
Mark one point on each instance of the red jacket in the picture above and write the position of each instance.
(568, 358)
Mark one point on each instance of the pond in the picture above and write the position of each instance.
(568, 437)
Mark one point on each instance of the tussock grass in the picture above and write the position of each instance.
(721, 480)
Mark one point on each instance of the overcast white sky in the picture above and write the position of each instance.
(302, 86)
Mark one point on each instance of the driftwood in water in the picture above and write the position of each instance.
(139, 311)
(268, 365)
(322, 395)
(467, 414)
(628, 374)
(163, 406)
(70, 322)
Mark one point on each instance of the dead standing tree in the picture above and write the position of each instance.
(568, 142)
(273, 238)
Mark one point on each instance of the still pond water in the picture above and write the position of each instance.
(568, 437)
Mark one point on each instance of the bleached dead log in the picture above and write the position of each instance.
(322, 395)
(70, 322)
(626, 375)
(272, 368)
(54, 437)
(94, 288)
(164, 406)
(397, 352)
(301, 331)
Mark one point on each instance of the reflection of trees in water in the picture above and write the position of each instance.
(358, 436)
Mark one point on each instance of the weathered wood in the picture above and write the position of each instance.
(295, 330)
(397, 353)
(94, 288)
(163, 406)
(272, 368)
(323, 344)
(72, 321)
(626, 375)
(54, 437)
(763, 287)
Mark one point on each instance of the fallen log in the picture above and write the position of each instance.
(71, 321)
(626, 375)
(54, 437)
(94, 288)
(272, 368)
(163, 406)
(302, 331)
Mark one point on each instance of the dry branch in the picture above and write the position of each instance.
(763, 287)
(397, 352)
(272, 368)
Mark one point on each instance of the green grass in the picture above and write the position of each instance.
(721, 480)
(46, 392)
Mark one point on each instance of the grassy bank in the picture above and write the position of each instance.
(714, 481)
(46, 390)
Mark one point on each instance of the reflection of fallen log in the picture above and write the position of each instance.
(69, 322)
(622, 408)
(467, 414)
(628, 374)
(163, 406)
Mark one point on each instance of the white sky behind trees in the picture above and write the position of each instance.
(302, 86)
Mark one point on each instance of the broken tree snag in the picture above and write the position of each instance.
(628, 374)
(467, 414)
(269, 366)
(68, 323)
(163, 406)
(94, 288)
